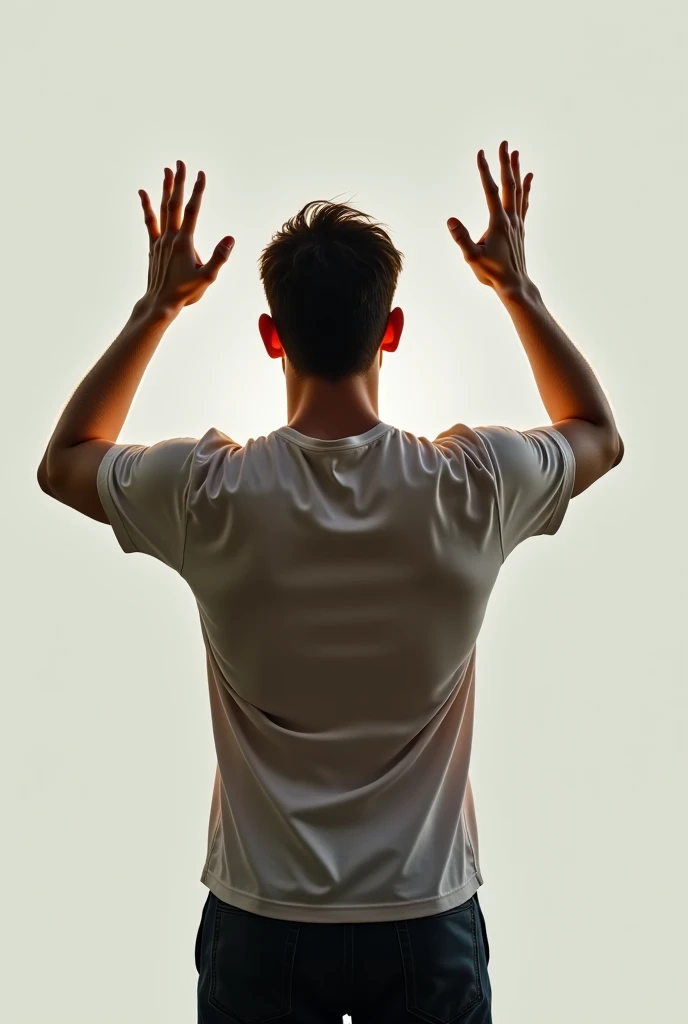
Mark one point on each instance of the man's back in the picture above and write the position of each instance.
(341, 587)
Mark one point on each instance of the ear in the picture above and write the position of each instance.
(268, 333)
(395, 326)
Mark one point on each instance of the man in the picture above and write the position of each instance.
(342, 569)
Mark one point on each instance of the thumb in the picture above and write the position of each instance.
(219, 257)
(462, 238)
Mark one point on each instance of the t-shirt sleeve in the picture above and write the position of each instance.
(534, 473)
(144, 491)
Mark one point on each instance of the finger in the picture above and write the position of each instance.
(174, 203)
(219, 258)
(494, 204)
(528, 181)
(462, 238)
(516, 168)
(508, 183)
(149, 217)
(167, 180)
(193, 206)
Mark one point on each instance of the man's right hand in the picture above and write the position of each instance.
(498, 258)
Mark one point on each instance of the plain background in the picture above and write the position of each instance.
(579, 767)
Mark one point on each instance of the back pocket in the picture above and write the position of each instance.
(252, 962)
(441, 965)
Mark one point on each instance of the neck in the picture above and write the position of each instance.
(317, 408)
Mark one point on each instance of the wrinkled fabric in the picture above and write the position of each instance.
(341, 587)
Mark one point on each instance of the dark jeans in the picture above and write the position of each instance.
(255, 969)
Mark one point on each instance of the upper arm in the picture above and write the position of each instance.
(73, 479)
(533, 475)
(141, 491)
(536, 473)
(596, 450)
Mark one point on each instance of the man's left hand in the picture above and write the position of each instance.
(176, 275)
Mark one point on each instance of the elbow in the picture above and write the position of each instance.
(43, 481)
(619, 453)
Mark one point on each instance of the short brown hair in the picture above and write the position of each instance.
(330, 276)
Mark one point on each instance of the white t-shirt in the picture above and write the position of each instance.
(341, 586)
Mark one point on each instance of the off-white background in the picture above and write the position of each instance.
(578, 768)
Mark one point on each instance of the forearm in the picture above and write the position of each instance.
(567, 383)
(101, 403)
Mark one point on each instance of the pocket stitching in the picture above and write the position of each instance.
(287, 972)
(407, 952)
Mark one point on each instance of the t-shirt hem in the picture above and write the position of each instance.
(567, 485)
(338, 915)
(103, 486)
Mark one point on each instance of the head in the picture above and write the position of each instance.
(330, 276)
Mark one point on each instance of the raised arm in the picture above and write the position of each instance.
(568, 386)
